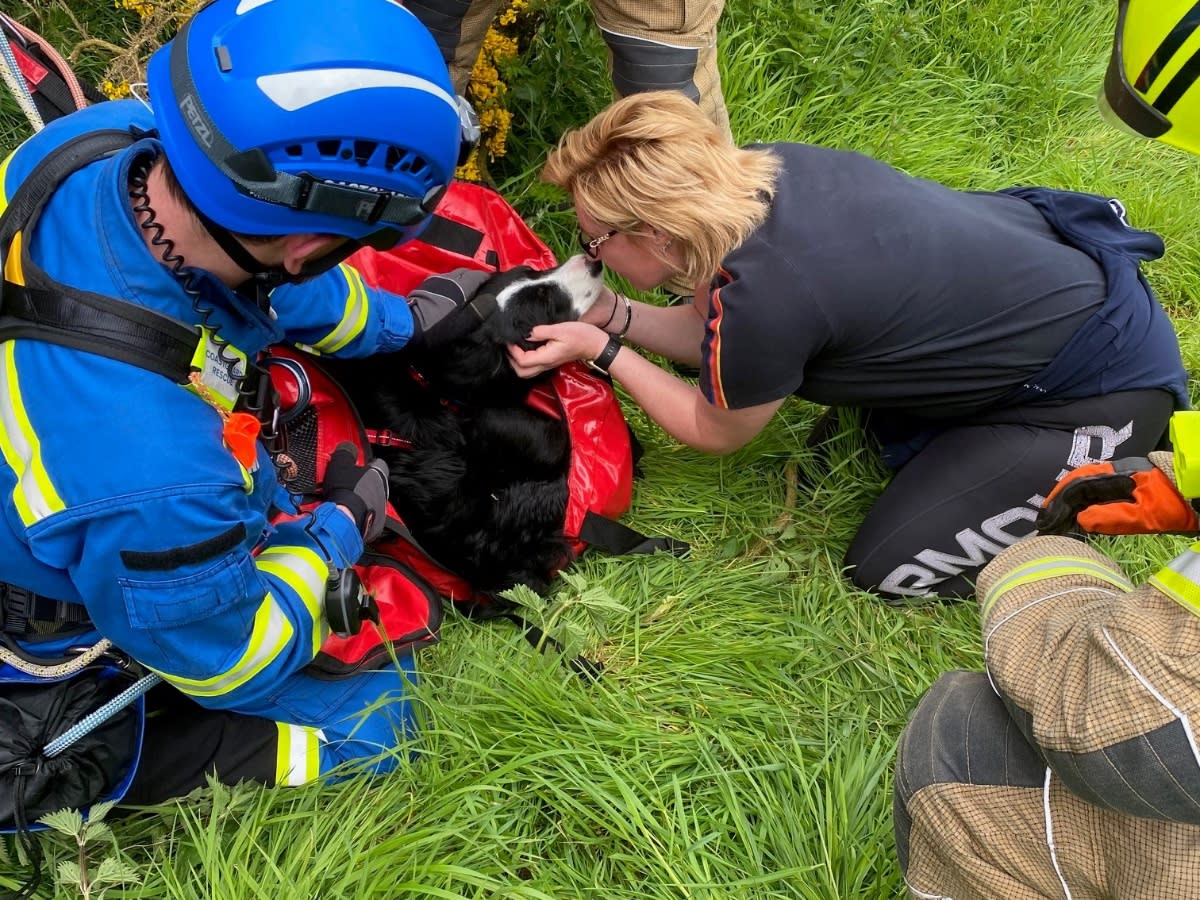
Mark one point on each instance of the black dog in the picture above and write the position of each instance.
(483, 486)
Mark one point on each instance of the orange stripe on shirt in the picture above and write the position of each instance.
(716, 317)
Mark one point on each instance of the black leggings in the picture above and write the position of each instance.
(976, 487)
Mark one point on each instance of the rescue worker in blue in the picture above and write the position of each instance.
(275, 147)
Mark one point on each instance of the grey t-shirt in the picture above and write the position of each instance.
(868, 287)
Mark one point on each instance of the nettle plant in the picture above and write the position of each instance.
(92, 837)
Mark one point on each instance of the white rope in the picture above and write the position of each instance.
(74, 88)
(75, 664)
(15, 80)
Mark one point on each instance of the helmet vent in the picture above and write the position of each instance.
(400, 160)
(412, 163)
(363, 151)
(328, 148)
(295, 151)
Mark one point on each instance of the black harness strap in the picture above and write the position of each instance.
(65, 159)
(27, 615)
(499, 608)
(588, 669)
(613, 537)
(46, 310)
(451, 235)
(74, 319)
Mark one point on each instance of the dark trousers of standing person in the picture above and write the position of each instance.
(653, 45)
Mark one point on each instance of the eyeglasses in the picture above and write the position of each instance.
(592, 246)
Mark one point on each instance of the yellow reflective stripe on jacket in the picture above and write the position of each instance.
(1053, 567)
(247, 478)
(354, 316)
(298, 754)
(12, 264)
(4, 177)
(304, 572)
(34, 496)
(1180, 580)
(271, 634)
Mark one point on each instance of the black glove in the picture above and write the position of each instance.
(361, 489)
(445, 307)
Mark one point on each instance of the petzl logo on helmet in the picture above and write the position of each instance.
(356, 185)
(196, 119)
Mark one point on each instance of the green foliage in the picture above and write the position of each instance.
(77, 875)
(740, 742)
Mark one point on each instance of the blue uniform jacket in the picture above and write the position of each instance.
(117, 489)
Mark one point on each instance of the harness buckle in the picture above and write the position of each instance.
(24, 613)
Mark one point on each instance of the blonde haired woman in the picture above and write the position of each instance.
(989, 349)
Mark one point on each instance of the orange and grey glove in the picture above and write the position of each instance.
(1126, 496)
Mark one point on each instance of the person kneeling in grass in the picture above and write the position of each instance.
(990, 338)
(1069, 769)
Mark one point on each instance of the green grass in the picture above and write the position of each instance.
(740, 743)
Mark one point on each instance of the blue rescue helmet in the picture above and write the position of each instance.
(289, 116)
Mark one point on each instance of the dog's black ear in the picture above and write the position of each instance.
(538, 305)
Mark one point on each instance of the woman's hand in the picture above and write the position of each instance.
(563, 342)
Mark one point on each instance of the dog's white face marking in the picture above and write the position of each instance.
(579, 278)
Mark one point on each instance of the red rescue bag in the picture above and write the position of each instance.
(474, 227)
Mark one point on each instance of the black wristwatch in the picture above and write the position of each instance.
(606, 356)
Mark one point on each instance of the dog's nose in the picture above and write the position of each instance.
(594, 267)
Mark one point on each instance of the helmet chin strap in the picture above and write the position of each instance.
(268, 277)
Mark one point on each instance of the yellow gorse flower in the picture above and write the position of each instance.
(144, 8)
(115, 90)
(487, 91)
(498, 47)
(510, 15)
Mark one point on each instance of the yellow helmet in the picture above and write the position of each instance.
(1153, 82)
